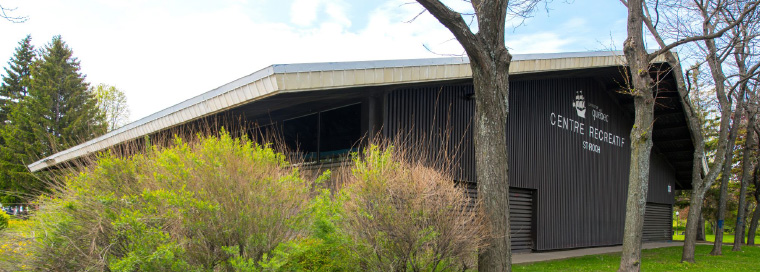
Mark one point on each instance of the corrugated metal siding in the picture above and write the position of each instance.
(662, 181)
(522, 211)
(658, 222)
(582, 193)
(521, 219)
(439, 117)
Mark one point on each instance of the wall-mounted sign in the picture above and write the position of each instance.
(580, 125)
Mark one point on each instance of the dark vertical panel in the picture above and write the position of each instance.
(581, 191)
(521, 218)
(658, 222)
(577, 186)
(440, 118)
(661, 177)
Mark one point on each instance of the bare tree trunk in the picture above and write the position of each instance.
(701, 228)
(692, 220)
(746, 221)
(641, 137)
(756, 214)
(489, 60)
(748, 166)
(724, 179)
(700, 187)
(491, 155)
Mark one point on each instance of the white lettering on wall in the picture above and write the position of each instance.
(595, 136)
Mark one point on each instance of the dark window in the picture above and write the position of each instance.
(326, 134)
(301, 134)
(340, 130)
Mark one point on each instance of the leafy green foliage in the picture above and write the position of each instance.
(112, 103)
(327, 248)
(227, 204)
(4, 220)
(180, 208)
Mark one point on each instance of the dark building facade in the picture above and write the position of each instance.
(568, 133)
(568, 151)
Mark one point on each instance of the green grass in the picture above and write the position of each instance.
(661, 259)
(727, 238)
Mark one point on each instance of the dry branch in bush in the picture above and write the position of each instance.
(409, 215)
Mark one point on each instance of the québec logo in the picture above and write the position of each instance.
(580, 104)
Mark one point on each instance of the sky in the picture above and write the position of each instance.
(160, 53)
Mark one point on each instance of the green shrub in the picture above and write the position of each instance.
(4, 220)
(406, 216)
(391, 214)
(179, 208)
(327, 248)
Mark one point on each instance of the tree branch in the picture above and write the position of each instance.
(454, 22)
(15, 19)
(703, 37)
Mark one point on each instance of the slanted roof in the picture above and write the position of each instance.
(287, 78)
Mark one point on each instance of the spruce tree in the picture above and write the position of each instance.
(14, 87)
(15, 84)
(60, 108)
(58, 112)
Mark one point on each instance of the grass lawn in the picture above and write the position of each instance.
(661, 259)
(727, 238)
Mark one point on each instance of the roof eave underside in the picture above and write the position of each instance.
(321, 76)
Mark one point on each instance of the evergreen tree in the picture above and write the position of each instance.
(60, 108)
(58, 112)
(15, 84)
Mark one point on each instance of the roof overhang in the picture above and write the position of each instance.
(285, 78)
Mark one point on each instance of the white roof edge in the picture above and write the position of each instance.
(273, 79)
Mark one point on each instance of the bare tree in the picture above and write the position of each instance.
(744, 36)
(724, 179)
(642, 90)
(716, 17)
(739, 16)
(489, 60)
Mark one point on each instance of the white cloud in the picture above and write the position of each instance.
(161, 56)
(337, 13)
(304, 12)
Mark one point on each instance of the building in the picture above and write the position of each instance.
(568, 131)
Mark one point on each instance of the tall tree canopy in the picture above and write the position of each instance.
(17, 77)
(58, 112)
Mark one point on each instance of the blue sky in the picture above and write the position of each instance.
(163, 52)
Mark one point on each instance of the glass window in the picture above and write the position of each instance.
(340, 130)
(324, 135)
(301, 133)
